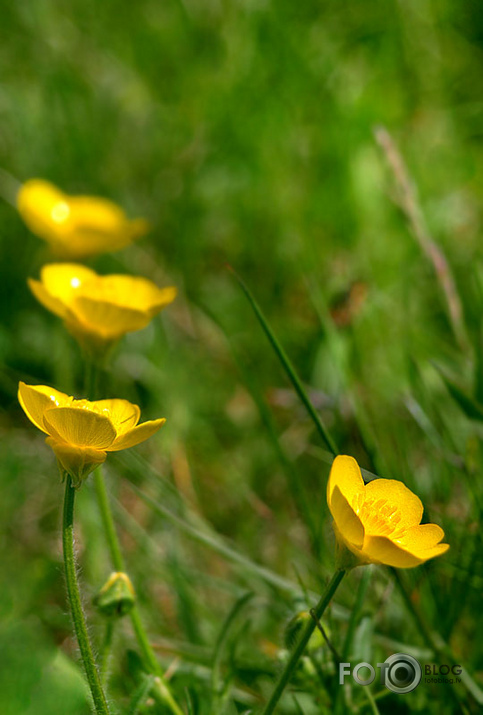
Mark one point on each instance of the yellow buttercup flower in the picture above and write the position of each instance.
(76, 226)
(82, 432)
(98, 310)
(379, 522)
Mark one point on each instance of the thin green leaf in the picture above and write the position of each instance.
(216, 544)
(216, 679)
(298, 706)
(141, 694)
(465, 402)
(288, 367)
(189, 703)
(294, 482)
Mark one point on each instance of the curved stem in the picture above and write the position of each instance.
(297, 653)
(160, 689)
(78, 617)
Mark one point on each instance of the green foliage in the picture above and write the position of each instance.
(244, 132)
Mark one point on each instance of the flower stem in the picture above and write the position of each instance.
(78, 617)
(106, 651)
(339, 704)
(91, 378)
(304, 639)
(108, 522)
(160, 689)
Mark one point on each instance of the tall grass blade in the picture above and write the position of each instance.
(288, 367)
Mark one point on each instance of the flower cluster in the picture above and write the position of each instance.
(97, 310)
(375, 523)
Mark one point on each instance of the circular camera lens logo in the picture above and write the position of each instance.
(402, 673)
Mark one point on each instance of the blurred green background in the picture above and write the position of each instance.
(244, 132)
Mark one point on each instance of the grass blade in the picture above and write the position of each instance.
(288, 367)
(141, 695)
(216, 544)
(217, 687)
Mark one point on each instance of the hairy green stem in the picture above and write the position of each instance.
(78, 617)
(297, 652)
(160, 688)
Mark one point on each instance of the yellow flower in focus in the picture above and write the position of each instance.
(379, 522)
(82, 432)
(98, 310)
(76, 226)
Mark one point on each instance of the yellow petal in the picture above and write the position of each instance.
(348, 524)
(63, 280)
(164, 298)
(43, 207)
(380, 549)
(136, 435)
(48, 301)
(95, 213)
(346, 475)
(108, 318)
(78, 462)
(123, 414)
(130, 292)
(36, 399)
(421, 537)
(409, 506)
(76, 226)
(79, 427)
(100, 225)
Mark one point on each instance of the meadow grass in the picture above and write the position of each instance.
(247, 134)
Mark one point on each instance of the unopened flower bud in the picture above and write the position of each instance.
(294, 628)
(116, 597)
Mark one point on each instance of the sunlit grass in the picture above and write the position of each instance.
(245, 135)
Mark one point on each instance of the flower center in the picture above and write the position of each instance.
(378, 516)
(87, 405)
(83, 405)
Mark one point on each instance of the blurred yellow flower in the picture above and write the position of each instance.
(76, 226)
(98, 310)
(380, 522)
(82, 432)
